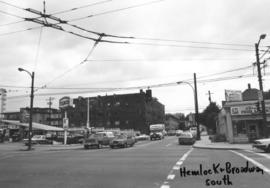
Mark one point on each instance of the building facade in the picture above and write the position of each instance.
(241, 120)
(126, 111)
(3, 98)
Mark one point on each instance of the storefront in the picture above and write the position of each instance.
(242, 121)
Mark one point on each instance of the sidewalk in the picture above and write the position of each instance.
(205, 143)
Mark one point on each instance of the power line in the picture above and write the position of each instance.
(11, 5)
(195, 42)
(20, 31)
(81, 7)
(115, 10)
(10, 14)
(184, 46)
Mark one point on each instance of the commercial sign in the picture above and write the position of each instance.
(250, 109)
(65, 123)
(64, 102)
(233, 95)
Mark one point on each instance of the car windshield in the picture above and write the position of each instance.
(120, 137)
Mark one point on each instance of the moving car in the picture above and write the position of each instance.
(157, 131)
(262, 144)
(98, 140)
(37, 139)
(186, 138)
(122, 141)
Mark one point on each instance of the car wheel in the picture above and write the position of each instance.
(86, 147)
(112, 147)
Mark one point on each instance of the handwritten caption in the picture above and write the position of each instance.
(226, 170)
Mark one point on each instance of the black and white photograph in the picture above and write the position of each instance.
(134, 94)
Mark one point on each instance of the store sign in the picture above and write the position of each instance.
(244, 110)
(248, 110)
(65, 102)
(65, 123)
(233, 95)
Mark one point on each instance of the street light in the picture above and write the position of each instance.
(265, 131)
(195, 104)
(32, 75)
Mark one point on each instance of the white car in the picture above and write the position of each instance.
(263, 144)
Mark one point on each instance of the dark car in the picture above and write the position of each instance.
(98, 140)
(122, 141)
(186, 138)
(156, 136)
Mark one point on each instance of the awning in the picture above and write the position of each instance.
(34, 125)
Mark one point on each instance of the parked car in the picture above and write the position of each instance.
(122, 141)
(142, 137)
(37, 139)
(98, 139)
(186, 138)
(178, 132)
(171, 132)
(262, 144)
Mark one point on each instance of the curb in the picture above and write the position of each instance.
(216, 148)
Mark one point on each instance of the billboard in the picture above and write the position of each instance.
(65, 102)
(233, 95)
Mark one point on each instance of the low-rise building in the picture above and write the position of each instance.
(240, 119)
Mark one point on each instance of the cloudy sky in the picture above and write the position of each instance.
(172, 39)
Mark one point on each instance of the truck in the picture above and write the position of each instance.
(157, 131)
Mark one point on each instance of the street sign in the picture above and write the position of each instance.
(65, 123)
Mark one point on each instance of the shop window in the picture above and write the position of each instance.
(239, 128)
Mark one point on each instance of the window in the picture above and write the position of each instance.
(117, 122)
(239, 127)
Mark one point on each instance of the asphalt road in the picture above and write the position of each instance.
(150, 164)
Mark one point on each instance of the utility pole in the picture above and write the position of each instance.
(261, 97)
(196, 108)
(50, 99)
(88, 114)
(209, 96)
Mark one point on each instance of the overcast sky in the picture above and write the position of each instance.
(192, 32)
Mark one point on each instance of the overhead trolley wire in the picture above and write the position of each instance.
(115, 10)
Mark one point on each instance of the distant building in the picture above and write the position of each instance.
(3, 98)
(45, 116)
(126, 111)
(174, 122)
(241, 120)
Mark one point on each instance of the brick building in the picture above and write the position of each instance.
(126, 111)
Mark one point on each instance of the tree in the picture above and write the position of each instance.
(209, 116)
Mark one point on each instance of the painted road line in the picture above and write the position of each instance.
(265, 169)
(261, 154)
(168, 144)
(171, 175)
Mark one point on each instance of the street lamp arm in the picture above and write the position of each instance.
(21, 70)
(184, 82)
